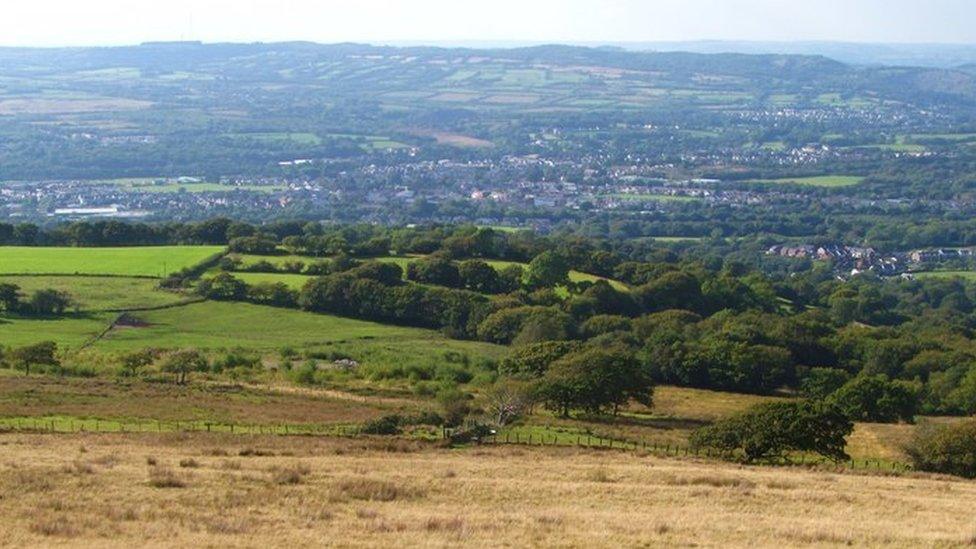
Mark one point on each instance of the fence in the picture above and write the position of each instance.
(512, 437)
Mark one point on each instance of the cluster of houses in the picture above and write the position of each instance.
(857, 259)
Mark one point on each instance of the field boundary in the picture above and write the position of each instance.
(61, 425)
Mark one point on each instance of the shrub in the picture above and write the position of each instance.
(949, 449)
(290, 475)
(773, 429)
(386, 425)
(374, 490)
(165, 478)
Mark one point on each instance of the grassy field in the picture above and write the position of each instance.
(230, 491)
(70, 331)
(100, 293)
(135, 401)
(630, 197)
(155, 261)
(231, 325)
(817, 181)
(174, 187)
(968, 275)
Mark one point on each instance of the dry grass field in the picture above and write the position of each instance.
(224, 491)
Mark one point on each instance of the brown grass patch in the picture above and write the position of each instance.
(161, 477)
(376, 490)
(494, 496)
(54, 526)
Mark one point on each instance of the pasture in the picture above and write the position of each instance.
(100, 293)
(69, 332)
(153, 261)
(218, 325)
(224, 490)
(827, 181)
(966, 275)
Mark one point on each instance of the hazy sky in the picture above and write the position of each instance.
(98, 22)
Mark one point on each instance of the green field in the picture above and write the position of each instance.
(174, 187)
(653, 197)
(968, 275)
(148, 261)
(227, 325)
(301, 138)
(816, 181)
(68, 332)
(97, 293)
(294, 281)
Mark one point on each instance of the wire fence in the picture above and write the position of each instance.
(62, 425)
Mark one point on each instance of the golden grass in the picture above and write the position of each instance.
(98, 490)
(38, 396)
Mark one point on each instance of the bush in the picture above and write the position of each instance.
(772, 430)
(949, 449)
(386, 425)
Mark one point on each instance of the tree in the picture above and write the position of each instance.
(455, 406)
(478, 276)
(877, 399)
(9, 297)
(507, 401)
(672, 290)
(275, 294)
(510, 278)
(595, 380)
(533, 360)
(435, 270)
(819, 383)
(547, 270)
(949, 449)
(604, 324)
(389, 274)
(538, 323)
(39, 354)
(48, 302)
(773, 429)
(223, 287)
(255, 245)
(136, 360)
(183, 362)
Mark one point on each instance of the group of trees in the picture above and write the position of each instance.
(688, 322)
(43, 302)
(42, 354)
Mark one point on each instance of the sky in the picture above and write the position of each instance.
(118, 22)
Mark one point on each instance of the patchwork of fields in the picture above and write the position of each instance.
(397, 370)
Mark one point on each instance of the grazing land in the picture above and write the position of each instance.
(966, 275)
(182, 489)
(816, 181)
(101, 293)
(156, 261)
